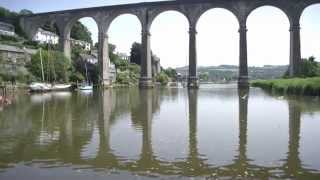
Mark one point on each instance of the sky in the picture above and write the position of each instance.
(217, 38)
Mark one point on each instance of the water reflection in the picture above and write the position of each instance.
(155, 132)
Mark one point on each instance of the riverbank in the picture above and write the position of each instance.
(296, 86)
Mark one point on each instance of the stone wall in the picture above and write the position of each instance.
(13, 60)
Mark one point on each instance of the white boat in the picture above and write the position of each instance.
(86, 87)
(40, 87)
(61, 87)
(45, 87)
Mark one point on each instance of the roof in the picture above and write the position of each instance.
(47, 32)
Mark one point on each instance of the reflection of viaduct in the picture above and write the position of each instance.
(73, 140)
(193, 165)
(147, 12)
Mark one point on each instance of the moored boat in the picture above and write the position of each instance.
(40, 87)
(61, 87)
(85, 87)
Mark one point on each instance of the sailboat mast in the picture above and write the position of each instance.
(85, 64)
(50, 60)
(42, 73)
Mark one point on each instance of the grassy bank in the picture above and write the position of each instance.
(296, 86)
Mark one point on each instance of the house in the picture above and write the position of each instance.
(46, 37)
(124, 56)
(85, 45)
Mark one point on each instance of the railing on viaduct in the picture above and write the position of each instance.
(191, 9)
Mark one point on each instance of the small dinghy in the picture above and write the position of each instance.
(61, 87)
(86, 87)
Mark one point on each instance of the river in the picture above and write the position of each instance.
(218, 131)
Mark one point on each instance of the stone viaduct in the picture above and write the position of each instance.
(191, 9)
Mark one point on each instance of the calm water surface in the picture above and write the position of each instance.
(215, 132)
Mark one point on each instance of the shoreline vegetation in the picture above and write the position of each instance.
(294, 86)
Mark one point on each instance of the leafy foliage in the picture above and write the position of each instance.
(204, 76)
(309, 68)
(297, 86)
(135, 54)
(81, 32)
(56, 66)
(79, 71)
(171, 73)
(162, 78)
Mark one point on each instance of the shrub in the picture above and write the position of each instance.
(123, 78)
(76, 77)
(162, 78)
(9, 38)
(56, 66)
(308, 68)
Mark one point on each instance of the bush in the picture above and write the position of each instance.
(308, 68)
(76, 77)
(170, 73)
(33, 44)
(9, 38)
(297, 86)
(56, 66)
(162, 78)
(123, 78)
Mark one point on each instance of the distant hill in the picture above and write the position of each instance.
(230, 72)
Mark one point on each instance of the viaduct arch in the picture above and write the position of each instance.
(191, 9)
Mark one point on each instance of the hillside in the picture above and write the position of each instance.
(230, 72)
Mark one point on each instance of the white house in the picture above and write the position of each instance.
(85, 45)
(124, 56)
(6, 29)
(46, 37)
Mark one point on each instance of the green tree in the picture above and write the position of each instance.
(6, 13)
(171, 73)
(309, 67)
(135, 54)
(112, 53)
(81, 32)
(162, 78)
(56, 66)
(204, 77)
